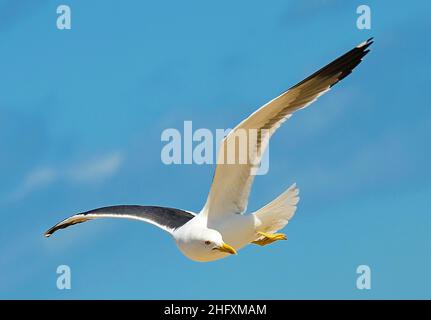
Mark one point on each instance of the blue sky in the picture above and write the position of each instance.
(82, 111)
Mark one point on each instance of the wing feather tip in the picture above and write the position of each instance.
(366, 43)
(50, 231)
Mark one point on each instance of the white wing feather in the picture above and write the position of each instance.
(232, 181)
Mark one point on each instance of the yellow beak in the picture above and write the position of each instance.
(226, 248)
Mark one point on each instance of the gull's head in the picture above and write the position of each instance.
(203, 245)
(213, 241)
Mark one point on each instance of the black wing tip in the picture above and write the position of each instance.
(352, 59)
(65, 223)
(366, 42)
(343, 65)
(54, 228)
(363, 46)
(50, 231)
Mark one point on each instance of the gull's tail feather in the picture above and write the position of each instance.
(276, 214)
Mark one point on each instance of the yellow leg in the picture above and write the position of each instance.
(269, 238)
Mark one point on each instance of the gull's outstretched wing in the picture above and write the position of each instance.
(167, 219)
(232, 182)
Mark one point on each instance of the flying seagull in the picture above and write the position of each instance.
(221, 228)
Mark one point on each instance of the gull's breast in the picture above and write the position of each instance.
(237, 230)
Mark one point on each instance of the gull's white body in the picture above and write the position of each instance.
(222, 228)
(238, 231)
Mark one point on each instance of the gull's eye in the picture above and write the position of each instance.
(207, 242)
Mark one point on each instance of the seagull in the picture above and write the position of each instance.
(221, 228)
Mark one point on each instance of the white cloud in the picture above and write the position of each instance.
(36, 179)
(89, 171)
(95, 169)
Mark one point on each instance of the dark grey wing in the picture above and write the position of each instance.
(167, 219)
